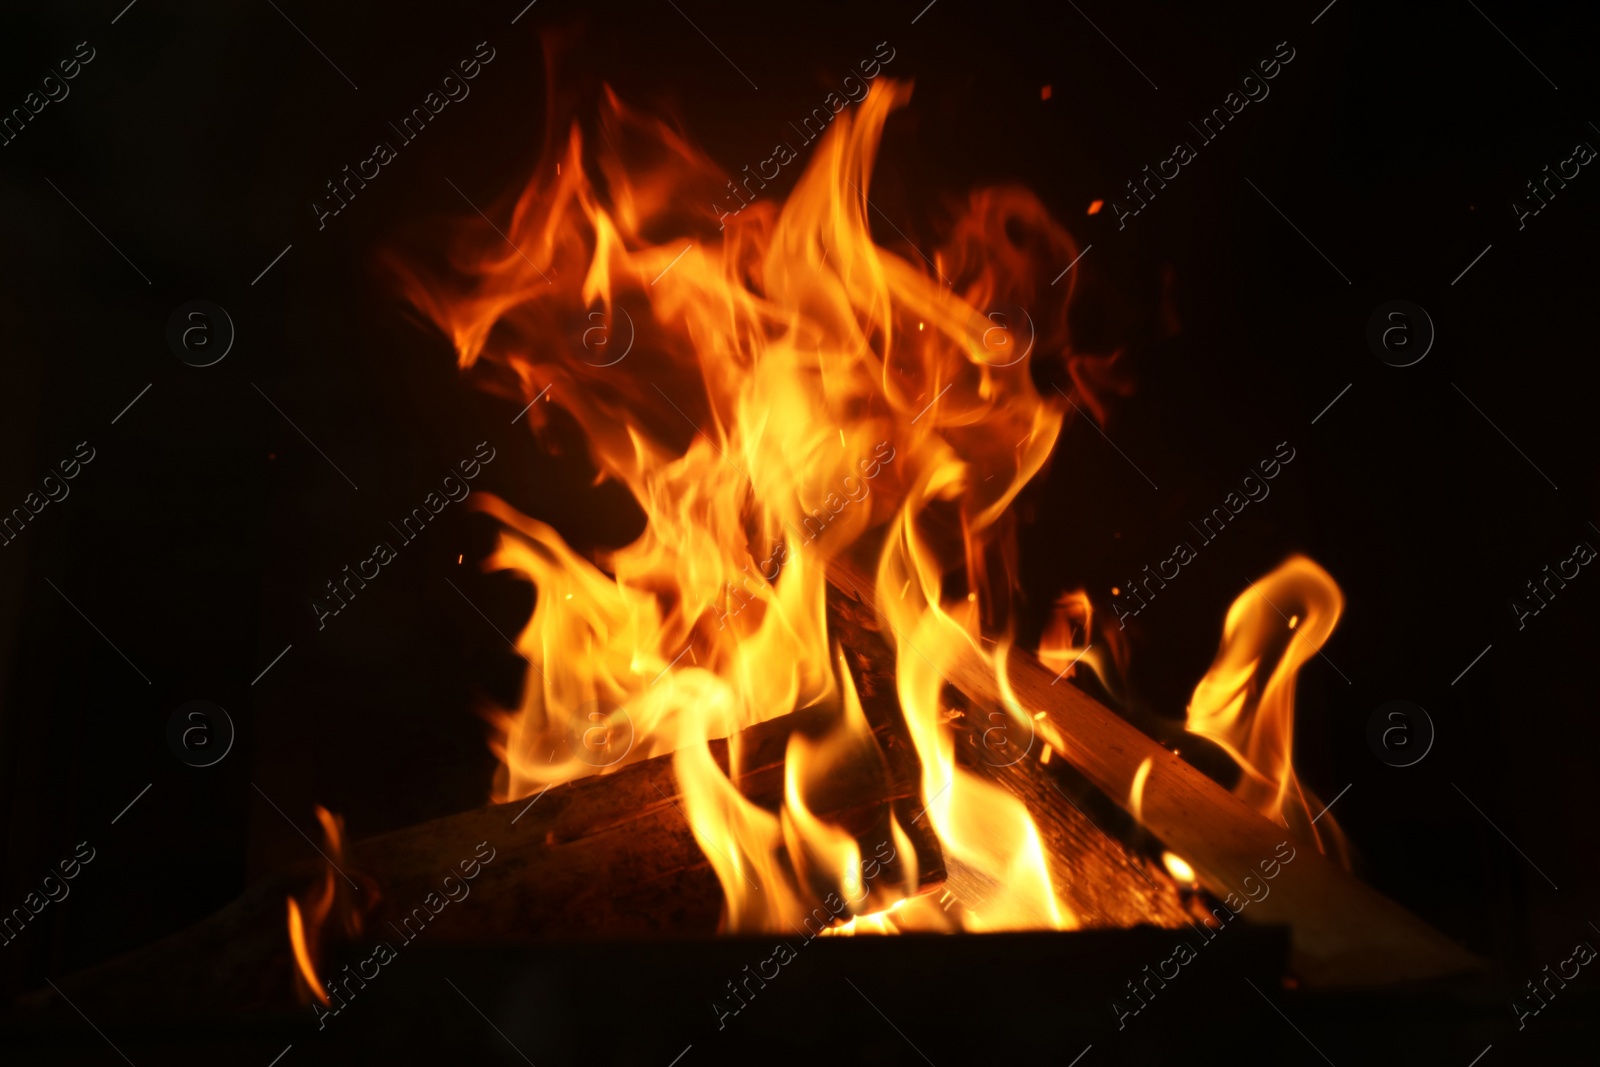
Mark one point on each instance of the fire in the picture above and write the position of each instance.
(793, 390)
(331, 907)
(1245, 702)
(304, 950)
(1069, 641)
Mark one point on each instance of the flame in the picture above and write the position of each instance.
(309, 922)
(792, 390)
(1069, 640)
(1245, 702)
(1136, 791)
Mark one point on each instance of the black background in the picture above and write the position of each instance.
(197, 138)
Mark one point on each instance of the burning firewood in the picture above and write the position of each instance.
(603, 856)
(1344, 933)
(1102, 884)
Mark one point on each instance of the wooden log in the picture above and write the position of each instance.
(606, 856)
(1343, 932)
(1102, 884)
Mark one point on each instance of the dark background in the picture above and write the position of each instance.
(199, 134)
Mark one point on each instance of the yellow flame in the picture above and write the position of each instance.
(1245, 702)
(776, 406)
(1136, 791)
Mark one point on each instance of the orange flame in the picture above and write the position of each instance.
(1245, 702)
(1069, 639)
(309, 923)
(777, 406)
